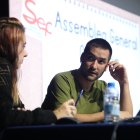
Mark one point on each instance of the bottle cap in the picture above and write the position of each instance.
(111, 84)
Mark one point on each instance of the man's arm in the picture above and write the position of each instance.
(95, 117)
(118, 72)
(125, 101)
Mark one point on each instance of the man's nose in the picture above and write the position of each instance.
(94, 64)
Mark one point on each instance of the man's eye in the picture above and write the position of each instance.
(101, 62)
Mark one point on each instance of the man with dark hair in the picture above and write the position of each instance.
(84, 86)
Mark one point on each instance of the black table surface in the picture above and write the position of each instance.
(74, 131)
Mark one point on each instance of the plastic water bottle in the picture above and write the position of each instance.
(111, 103)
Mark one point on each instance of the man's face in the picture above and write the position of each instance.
(94, 63)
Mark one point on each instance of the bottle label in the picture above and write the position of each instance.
(108, 108)
(111, 112)
(116, 109)
(111, 103)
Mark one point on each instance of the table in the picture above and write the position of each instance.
(74, 131)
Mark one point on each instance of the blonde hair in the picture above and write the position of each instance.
(11, 34)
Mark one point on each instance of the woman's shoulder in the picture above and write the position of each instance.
(5, 72)
(4, 61)
(5, 66)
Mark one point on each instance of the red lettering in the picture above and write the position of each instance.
(40, 22)
(30, 20)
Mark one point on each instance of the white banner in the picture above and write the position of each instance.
(62, 29)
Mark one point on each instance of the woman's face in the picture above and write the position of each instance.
(21, 51)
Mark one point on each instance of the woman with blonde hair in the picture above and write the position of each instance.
(12, 53)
